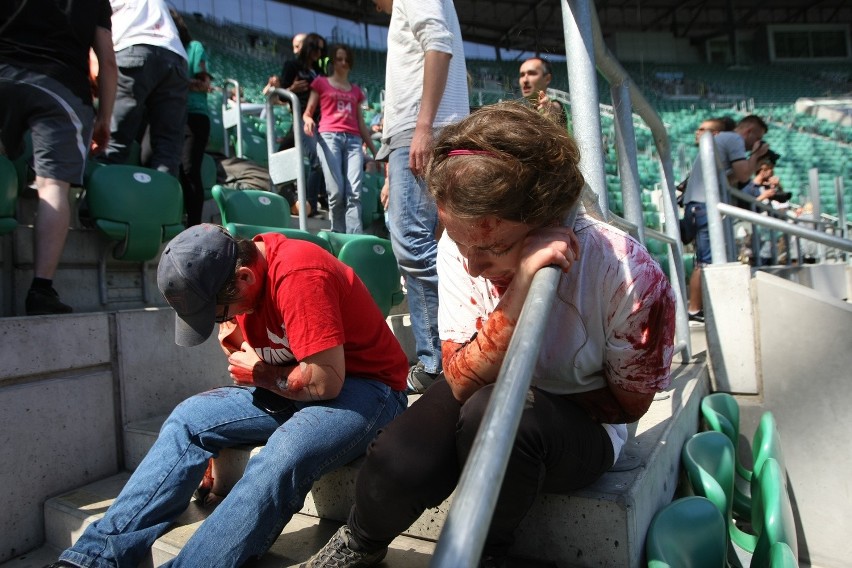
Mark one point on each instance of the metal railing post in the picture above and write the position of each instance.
(278, 161)
(711, 180)
(628, 168)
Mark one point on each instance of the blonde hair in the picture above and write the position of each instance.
(515, 164)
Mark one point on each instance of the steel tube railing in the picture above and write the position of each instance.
(791, 228)
(277, 171)
(711, 180)
(628, 167)
(466, 527)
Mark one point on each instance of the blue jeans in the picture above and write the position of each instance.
(413, 218)
(152, 85)
(303, 442)
(703, 254)
(343, 167)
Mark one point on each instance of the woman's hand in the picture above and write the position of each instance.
(547, 246)
(310, 125)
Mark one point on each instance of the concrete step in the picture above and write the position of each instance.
(67, 516)
(601, 525)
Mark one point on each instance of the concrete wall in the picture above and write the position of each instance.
(806, 343)
(67, 386)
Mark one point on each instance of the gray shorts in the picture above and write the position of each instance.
(60, 122)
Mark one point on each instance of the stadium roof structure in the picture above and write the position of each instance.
(536, 25)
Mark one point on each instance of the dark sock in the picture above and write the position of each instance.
(41, 284)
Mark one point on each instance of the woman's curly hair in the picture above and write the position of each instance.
(525, 168)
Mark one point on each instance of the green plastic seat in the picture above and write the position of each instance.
(8, 195)
(371, 210)
(782, 556)
(774, 519)
(373, 261)
(721, 413)
(251, 207)
(687, 533)
(709, 461)
(251, 231)
(136, 207)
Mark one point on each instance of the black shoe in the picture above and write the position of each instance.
(697, 318)
(419, 379)
(61, 564)
(45, 301)
(340, 552)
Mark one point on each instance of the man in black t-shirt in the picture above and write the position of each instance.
(44, 88)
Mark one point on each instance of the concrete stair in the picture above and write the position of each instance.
(601, 525)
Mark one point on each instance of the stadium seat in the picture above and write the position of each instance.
(687, 533)
(721, 413)
(782, 556)
(243, 208)
(708, 458)
(774, 521)
(8, 195)
(373, 261)
(251, 231)
(138, 208)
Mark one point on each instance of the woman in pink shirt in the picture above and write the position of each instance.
(342, 129)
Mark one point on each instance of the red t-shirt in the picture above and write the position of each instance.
(338, 109)
(313, 302)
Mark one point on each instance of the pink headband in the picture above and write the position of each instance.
(471, 153)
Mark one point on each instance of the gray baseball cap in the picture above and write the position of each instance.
(193, 268)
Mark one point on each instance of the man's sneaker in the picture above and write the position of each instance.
(61, 564)
(697, 318)
(45, 301)
(419, 379)
(338, 553)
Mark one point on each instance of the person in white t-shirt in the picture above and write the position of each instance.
(502, 196)
(153, 83)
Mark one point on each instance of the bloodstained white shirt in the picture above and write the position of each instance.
(612, 321)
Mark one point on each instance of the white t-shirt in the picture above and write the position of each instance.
(612, 320)
(144, 22)
(418, 26)
(730, 148)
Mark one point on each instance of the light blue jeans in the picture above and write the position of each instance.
(303, 442)
(343, 166)
(413, 218)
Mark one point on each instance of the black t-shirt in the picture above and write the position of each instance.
(53, 37)
(293, 70)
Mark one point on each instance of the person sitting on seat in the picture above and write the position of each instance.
(316, 372)
(502, 197)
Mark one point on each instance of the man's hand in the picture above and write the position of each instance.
(384, 196)
(100, 135)
(246, 368)
(420, 151)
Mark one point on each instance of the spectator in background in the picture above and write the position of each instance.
(298, 39)
(296, 76)
(152, 86)
(341, 132)
(732, 157)
(534, 78)
(44, 87)
(197, 131)
(425, 89)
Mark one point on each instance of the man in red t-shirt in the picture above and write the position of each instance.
(317, 372)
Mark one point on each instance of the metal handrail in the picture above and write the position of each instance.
(279, 162)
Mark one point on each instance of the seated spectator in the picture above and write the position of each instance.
(45, 87)
(242, 173)
(502, 197)
(316, 373)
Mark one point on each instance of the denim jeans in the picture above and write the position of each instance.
(343, 166)
(152, 85)
(703, 254)
(303, 441)
(413, 218)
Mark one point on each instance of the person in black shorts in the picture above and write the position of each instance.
(44, 88)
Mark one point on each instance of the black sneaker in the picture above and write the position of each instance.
(338, 553)
(419, 379)
(45, 301)
(61, 564)
(697, 318)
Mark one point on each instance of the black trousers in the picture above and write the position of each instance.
(415, 462)
(195, 141)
